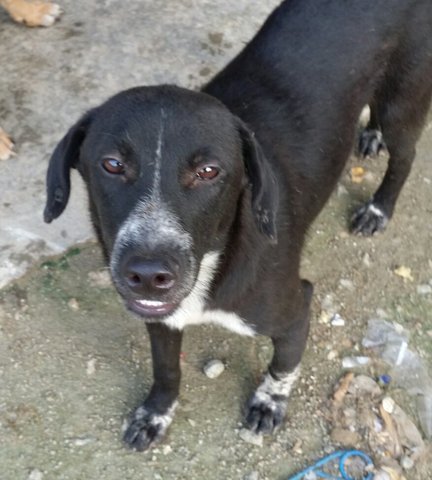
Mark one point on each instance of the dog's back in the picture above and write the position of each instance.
(302, 81)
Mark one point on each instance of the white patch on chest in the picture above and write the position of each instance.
(192, 309)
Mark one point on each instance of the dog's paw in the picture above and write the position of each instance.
(371, 143)
(35, 14)
(147, 427)
(268, 405)
(6, 146)
(368, 219)
(266, 412)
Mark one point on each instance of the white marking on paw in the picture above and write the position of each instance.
(270, 386)
(192, 309)
(376, 211)
(161, 422)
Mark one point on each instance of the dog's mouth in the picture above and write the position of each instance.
(151, 308)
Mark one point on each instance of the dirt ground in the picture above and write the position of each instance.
(74, 363)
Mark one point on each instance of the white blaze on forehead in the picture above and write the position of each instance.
(158, 158)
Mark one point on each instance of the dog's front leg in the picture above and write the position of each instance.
(267, 406)
(150, 421)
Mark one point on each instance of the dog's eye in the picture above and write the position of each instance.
(114, 166)
(207, 173)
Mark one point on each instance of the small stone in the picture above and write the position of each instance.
(213, 368)
(35, 474)
(91, 366)
(382, 475)
(337, 321)
(366, 260)
(100, 278)
(332, 355)
(388, 404)
(341, 190)
(82, 441)
(424, 289)
(406, 462)
(345, 437)
(166, 449)
(324, 317)
(191, 422)
(250, 437)
(347, 284)
(328, 303)
(252, 476)
(362, 384)
(73, 304)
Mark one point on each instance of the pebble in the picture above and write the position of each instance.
(341, 190)
(166, 449)
(424, 289)
(345, 437)
(388, 404)
(347, 284)
(82, 441)
(250, 437)
(406, 462)
(332, 355)
(73, 304)
(100, 278)
(252, 476)
(35, 475)
(91, 366)
(337, 321)
(381, 475)
(367, 260)
(213, 368)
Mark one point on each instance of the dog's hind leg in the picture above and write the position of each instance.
(267, 406)
(402, 112)
(150, 421)
(371, 140)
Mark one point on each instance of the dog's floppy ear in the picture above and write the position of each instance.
(64, 158)
(265, 194)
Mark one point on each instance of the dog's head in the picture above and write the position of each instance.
(165, 170)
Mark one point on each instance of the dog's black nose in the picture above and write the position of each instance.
(149, 276)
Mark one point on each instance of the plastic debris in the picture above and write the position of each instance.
(353, 362)
(408, 370)
(346, 464)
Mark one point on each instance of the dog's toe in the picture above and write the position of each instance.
(371, 143)
(147, 427)
(368, 220)
(266, 413)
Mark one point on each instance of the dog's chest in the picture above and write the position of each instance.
(195, 316)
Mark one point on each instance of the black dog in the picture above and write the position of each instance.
(202, 200)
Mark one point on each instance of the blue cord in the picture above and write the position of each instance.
(343, 456)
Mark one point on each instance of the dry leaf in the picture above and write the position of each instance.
(357, 174)
(404, 272)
